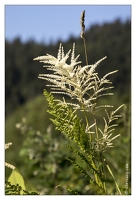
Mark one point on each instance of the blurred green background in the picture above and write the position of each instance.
(39, 151)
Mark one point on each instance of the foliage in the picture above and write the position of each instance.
(16, 178)
(89, 152)
(15, 185)
(11, 189)
(48, 170)
(50, 149)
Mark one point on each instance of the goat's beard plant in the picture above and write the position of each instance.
(83, 85)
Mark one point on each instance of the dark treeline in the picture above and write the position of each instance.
(110, 39)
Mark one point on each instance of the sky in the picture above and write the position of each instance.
(48, 23)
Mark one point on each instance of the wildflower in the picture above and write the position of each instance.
(80, 83)
(8, 164)
(106, 140)
(8, 145)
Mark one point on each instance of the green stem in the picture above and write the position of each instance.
(85, 51)
(86, 119)
(97, 178)
(102, 171)
(112, 177)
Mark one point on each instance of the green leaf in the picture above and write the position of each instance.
(16, 178)
(72, 191)
(83, 158)
(109, 169)
(64, 117)
(80, 169)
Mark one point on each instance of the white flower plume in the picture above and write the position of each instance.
(80, 83)
(107, 134)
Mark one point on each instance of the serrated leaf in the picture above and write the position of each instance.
(16, 178)
(83, 158)
(72, 191)
(80, 169)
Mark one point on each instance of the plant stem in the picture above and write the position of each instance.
(85, 50)
(112, 177)
(102, 170)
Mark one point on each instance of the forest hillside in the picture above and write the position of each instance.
(110, 39)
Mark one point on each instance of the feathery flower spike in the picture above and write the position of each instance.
(80, 83)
